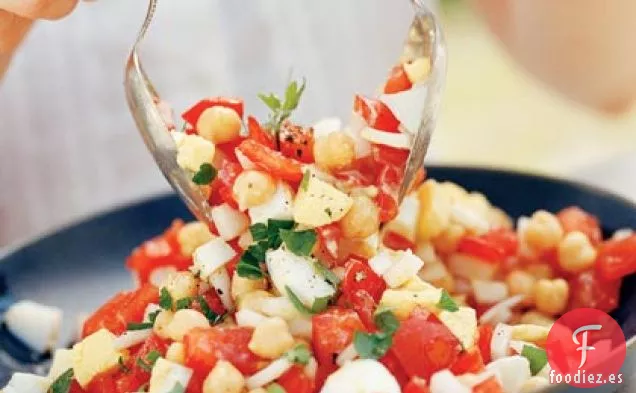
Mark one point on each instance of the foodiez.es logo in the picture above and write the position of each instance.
(586, 348)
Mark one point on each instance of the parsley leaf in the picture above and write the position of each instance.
(185, 302)
(447, 303)
(304, 183)
(299, 354)
(259, 231)
(139, 326)
(271, 101)
(329, 276)
(320, 304)
(125, 369)
(149, 361)
(292, 95)
(299, 242)
(281, 110)
(249, 265)
(375, 345)
(275, 388)
(273, 231)
(212, 317)
(205, 175)
(165, 299)
(536, 356)
(63, 383)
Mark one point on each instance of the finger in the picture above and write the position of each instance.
(13, 29)
(39, 9)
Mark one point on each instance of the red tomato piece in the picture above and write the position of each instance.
(272, 161)
(332, 332)
(398, 81)
(75, 388)
(389, 155)
(104, 382)
(328, 240)
(192, 115)
(376, 114)
(296, 142)
(213, 300)
(485, 338)
(424, 345)
(161, 251)
(296, 381)
(396, 241)
(574, 218)
(617, 258)
(359, 276)
(416, 385)
(259, 134)
(122, 309)
(229, 172)
(204, 346)
(388, 206)
(491, 385)
(365, 306)
(588, 290)
(196, 383)
(391, 362)
(495, 246)
(138, 376)
(468, 362)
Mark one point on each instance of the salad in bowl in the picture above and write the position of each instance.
(311, 277)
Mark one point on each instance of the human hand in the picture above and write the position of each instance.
(16, 18)
(583, 48)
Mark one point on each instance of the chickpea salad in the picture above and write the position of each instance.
(311, 278)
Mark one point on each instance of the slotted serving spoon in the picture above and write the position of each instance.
(424, 39)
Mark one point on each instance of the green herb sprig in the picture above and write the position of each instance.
(282, 109)
(375, 345)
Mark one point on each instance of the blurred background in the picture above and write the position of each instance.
(69, 148)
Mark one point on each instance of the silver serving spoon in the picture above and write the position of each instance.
(424, 40)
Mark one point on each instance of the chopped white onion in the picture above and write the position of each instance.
(212, 256)
(246, 317)
(500, 343)
(404, 268)
(381, 263)
(228, 221)
(622, 233)
(445, 382)
(489, 292)
(269, 374)
(301, 327)
(511, 371)
(348, 354)
(221, 282)
(392, 139)
(356, 124)
(501, 309)
(472, 380)
(131, 338)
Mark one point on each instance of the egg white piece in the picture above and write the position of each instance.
(131, 338)
(278, 207)
(166, 375)
(62, 361)
(511, 371)
(361, 376)
(211, 256)
(228, 221)
(220, 280)
(36, 325)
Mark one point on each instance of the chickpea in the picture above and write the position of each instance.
(224, 378)
(540, 270)
(162, 321)
(576, 252)
(362, 219)
(193, 235)
(447, 241)
(418, 69)
(183, 321)
(521, 283)
(271, 338)
(176, 353)
(437, 274)
(253, 188)
(181, 285)
(551, 296)
(536, 318)
(334, 151)
(435, 210)
(543, 231)
(219, 124)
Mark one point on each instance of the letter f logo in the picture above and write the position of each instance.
(583, 345)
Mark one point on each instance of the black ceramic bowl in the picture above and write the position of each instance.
(79, 267)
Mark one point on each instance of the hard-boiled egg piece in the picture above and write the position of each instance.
(319, 203)
(462, 323)
(297, 273)
(361, 376)
(167, 375)
(94, 355)
(402, 302)
(405, 223)
(211, 256)
(62, 361)
(405, 266)
(228, 221)
(278, 207)
(34, 324)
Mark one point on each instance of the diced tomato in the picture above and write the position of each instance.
(120, 310)
(389, 177)
(229, 172)
(376, 114)
(469, 361)
(391, 362)
(617, 258)
(296, 142)
(259, 134)
(137, 376)
(75, 388)
(416, 385)
(574, 218)
(213, 300)
(424, 345)
(104, 382)
(389, 155)
(495, 246)
(161, 251)
(491, 385)
(323, 372)
(365, 306)
(192, 115)
(398, 81)
(228, 149)
(296, 381)
(588, 290)
(272, 161)
(359, 276)
(332, 332)
(362, 173)
(328, 240)
(485, 338)
(195, 385)
(395, 241)
(388, 206)
(205, 346)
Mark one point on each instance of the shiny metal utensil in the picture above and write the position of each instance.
(142, 101)
(425, 39)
